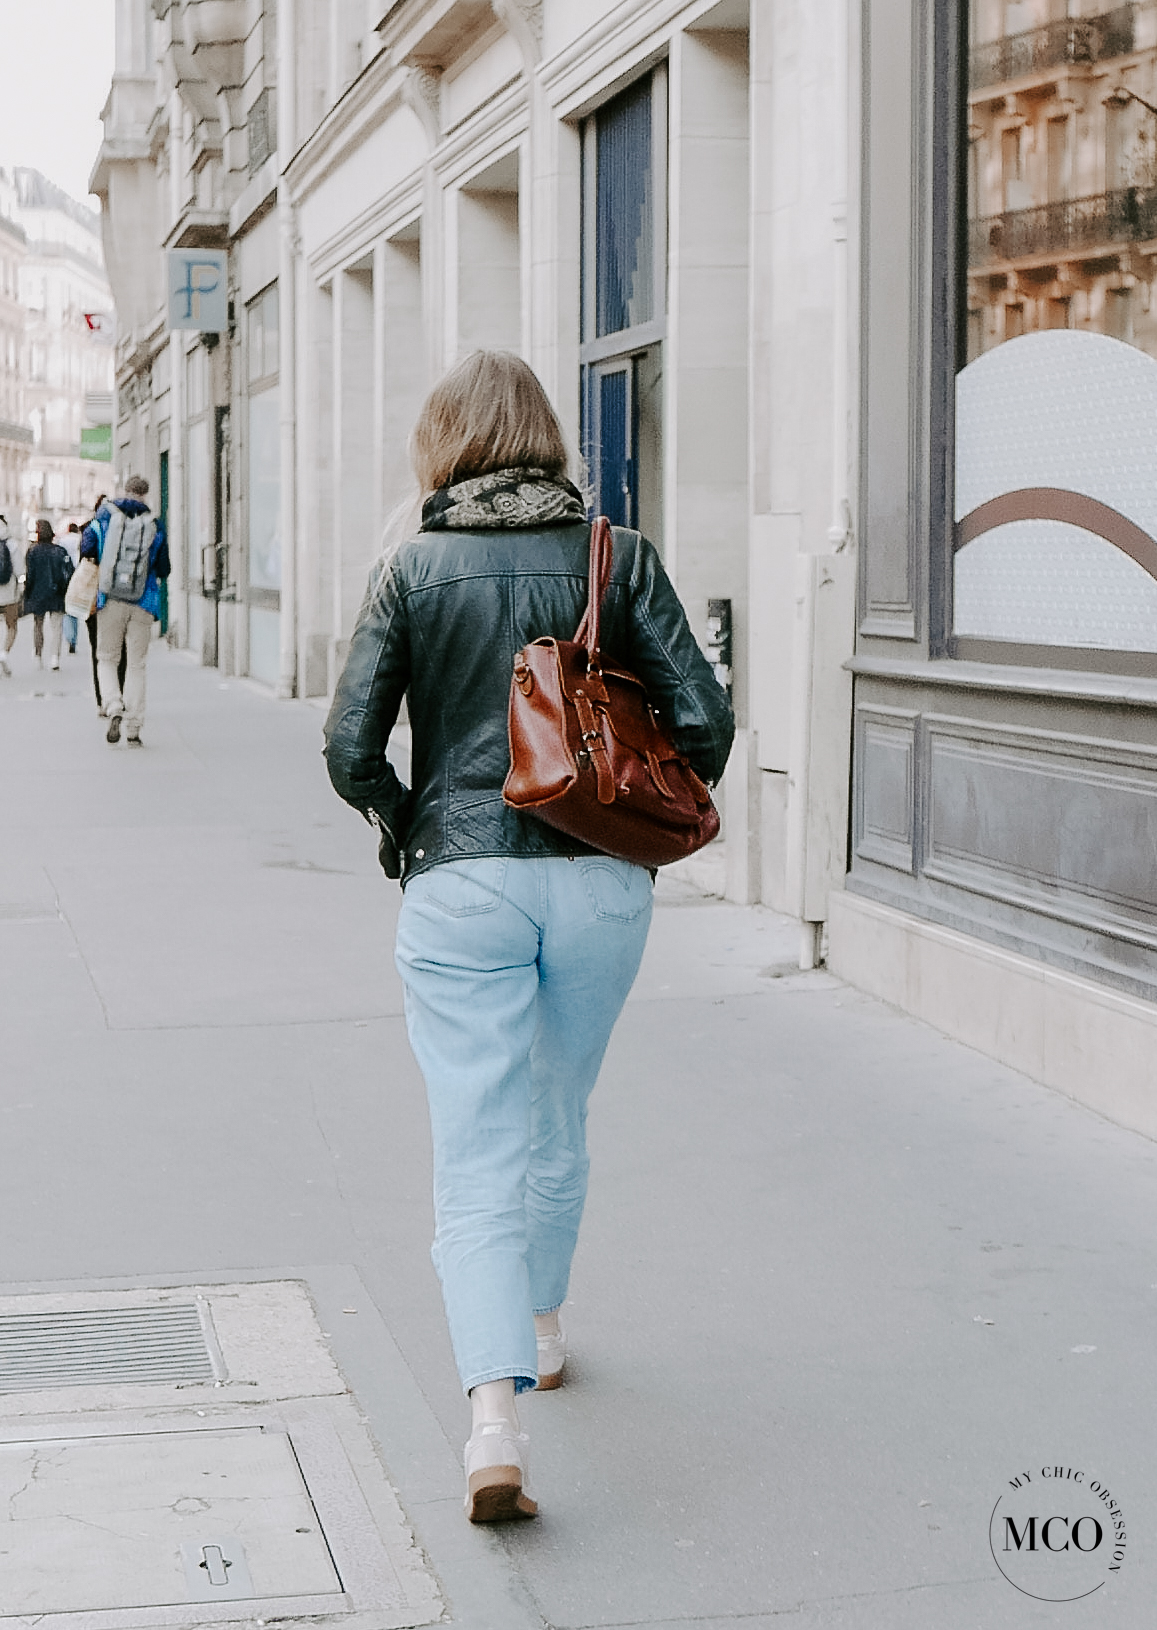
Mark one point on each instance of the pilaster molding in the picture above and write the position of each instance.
(369, 101)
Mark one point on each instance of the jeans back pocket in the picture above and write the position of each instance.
(618, 891)
(465, 888)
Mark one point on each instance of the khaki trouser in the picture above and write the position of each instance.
(120, 624)
(55, 621)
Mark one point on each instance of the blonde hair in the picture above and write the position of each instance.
(488, 413)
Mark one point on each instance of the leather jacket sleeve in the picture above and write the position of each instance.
(680, 682)
(365, 710)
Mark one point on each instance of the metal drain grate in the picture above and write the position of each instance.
(107, 1346)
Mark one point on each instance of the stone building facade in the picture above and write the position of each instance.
(15, 433)
(750, 246)
(594, 185)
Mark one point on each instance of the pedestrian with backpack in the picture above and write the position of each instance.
(11, 587)
(47, 574)
(130, 546)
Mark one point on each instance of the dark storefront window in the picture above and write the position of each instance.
(1055, 556)
(625, 212)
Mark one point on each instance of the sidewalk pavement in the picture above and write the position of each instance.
(840, 1278)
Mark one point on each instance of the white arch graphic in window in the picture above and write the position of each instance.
(1056, 494)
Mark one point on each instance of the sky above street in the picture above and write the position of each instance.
(57, 57)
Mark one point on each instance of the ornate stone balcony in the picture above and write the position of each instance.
(1067, 43)
(1073, 227)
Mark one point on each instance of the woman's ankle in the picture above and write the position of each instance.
(546, 1324)
(493, 1401)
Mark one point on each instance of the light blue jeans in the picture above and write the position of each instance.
(515, 972)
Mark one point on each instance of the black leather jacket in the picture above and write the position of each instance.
(442, 626)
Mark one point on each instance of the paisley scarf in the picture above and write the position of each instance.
(503, 498)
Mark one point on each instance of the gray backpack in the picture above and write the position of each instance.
(124, 564)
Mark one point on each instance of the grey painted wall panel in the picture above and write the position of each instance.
(1036, 815)
(885, 811)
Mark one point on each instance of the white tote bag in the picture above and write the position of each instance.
(80, 597)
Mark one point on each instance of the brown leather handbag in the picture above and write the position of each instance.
(587, 752)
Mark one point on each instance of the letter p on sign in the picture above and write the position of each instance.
(198, 290)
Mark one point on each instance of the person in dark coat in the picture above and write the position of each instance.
(47, 573)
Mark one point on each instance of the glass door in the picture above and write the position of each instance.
(613, 466)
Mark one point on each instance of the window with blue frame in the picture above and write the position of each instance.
(624, 190)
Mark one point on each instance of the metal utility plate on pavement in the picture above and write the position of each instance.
(99, 1522)
(261, 1498)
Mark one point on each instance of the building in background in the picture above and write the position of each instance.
(15, 432)
(68, 351)
(1062, 161)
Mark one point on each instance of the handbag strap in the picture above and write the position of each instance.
(598, 576)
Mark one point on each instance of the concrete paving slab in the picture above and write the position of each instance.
(115, 1497)
(270, 913)
(100, 1522)
(804, 1210)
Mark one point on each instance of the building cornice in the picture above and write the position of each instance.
(198, 229)
(434, 33)
(477, 141)
(133, 149)
(374, 95)
(387, 216)
(577, 78)
(256, 199)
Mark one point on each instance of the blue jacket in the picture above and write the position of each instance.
(92, 547)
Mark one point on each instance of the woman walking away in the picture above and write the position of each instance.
(11, 587)
(48, 572)
(517, 945)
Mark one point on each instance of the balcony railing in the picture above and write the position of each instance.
(1055, 45)
(1080, 225)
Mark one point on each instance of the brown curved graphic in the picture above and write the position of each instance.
(1059, 504)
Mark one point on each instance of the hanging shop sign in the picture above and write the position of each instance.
(198, 290)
